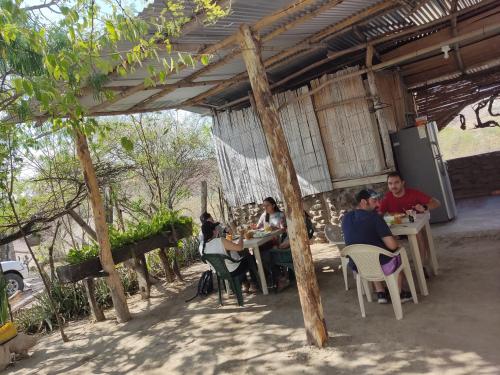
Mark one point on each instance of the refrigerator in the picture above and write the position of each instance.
(419, 160)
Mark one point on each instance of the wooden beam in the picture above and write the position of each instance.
(454, 32)
(482, 32)
(225, 43)
(307, 283)
(113, 279)
(170, 85)
(313, 39)
(334, 55)
(83, 224)
(370, 12)
(341, 27)
(95, 309)
(194, 22)
(382, 130)
(445, 79)
(278, 31)
(204, 195)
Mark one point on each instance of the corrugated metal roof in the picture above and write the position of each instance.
(403, 15)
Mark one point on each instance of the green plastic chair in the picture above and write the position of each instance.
(217, 261)
(283, 257)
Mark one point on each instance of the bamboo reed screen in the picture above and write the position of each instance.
(245, 165)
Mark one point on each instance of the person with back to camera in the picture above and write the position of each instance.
(364, 225)
(217, 245)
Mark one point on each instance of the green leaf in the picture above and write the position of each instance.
(127, 144)
(18, 85)
(205, 59)
(113, 35)
(28, 87)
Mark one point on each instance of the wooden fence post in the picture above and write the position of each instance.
(101, 228)
(94, 307)
(141, 269)
(204, 195)
(307, 283)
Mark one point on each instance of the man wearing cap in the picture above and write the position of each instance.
(364, 225)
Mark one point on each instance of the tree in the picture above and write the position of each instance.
(167, 154)
(61, 61)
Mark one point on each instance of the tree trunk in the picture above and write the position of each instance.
(175, 266)
(108, 206)
(113, 279)
(169, 273)
(204, 194)
(141, 270)
(51, 252)
(86, 228)
(307, 283)
(96, 310)
(119, 215)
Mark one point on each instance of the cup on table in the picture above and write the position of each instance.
(229, 237)
(411, 215)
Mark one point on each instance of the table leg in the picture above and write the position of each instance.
(260, 268)
(432, 249)
(417, 261)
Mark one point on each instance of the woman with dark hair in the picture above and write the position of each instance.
(272, 216)
(216, 245)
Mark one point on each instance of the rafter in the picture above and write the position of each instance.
(217, 47)
(278, 31)
(328, 32)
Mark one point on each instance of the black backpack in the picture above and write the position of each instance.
(205, 285)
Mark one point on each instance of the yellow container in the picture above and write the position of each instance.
(7, 331)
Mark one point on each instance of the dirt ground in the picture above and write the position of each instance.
(455, 330)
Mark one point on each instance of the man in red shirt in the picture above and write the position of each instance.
(399, 199)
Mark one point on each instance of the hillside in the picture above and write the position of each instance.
(456, 143)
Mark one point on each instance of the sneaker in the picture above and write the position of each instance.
(382, 297)
(405, 296)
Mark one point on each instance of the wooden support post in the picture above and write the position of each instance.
(383, 130)
(96, 310)
(169, 273)
(307, 283)
(113, 279)
(141, 269)
(204, 194)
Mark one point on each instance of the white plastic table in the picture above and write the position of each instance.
(253, 245)
(411, 230)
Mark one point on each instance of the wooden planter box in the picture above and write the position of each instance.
(92, 267)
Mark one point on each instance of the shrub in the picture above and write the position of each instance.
(161, 222)
(71, 302)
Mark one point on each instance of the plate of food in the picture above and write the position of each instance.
(260, 234)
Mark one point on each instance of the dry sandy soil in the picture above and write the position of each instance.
(455, 330)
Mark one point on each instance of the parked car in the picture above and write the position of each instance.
(15, 272)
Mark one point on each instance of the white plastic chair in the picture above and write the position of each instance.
(366, 258)
(332, 236)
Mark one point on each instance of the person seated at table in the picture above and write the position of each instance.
(400, 199)
(284, 277)
(216, 245)
(364, 225)
(221, 230)
(272, 215)
(285, 241)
